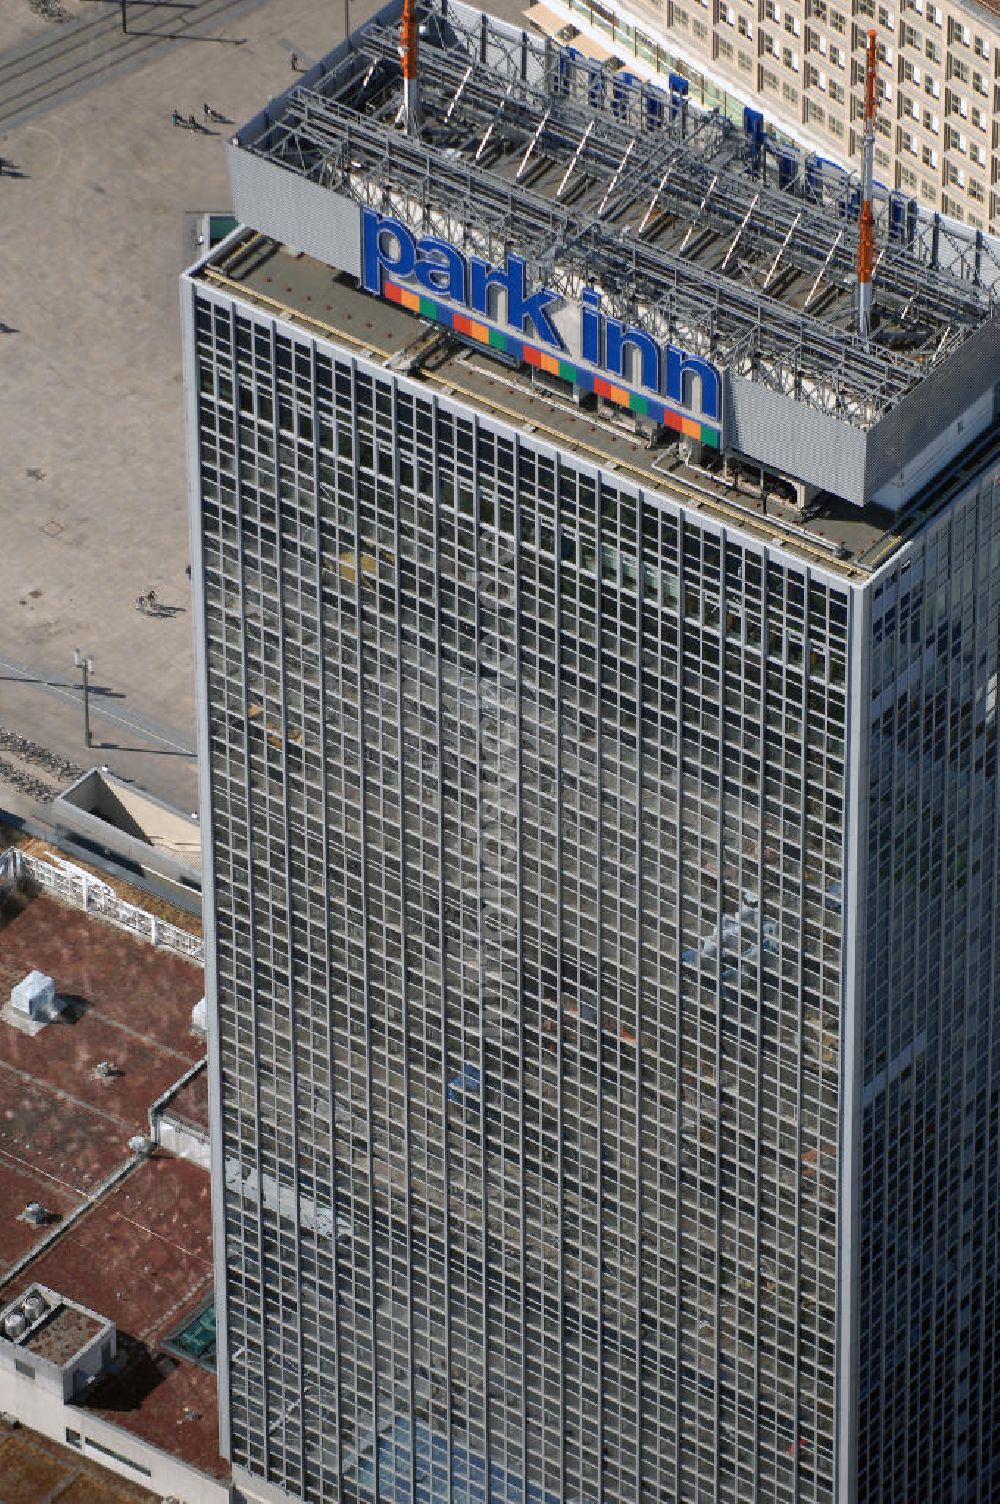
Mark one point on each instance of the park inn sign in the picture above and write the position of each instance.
(493, 305)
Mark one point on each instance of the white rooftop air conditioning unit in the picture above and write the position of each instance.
(15, 1325)
(34, 996)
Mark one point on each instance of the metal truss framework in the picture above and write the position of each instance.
(501, 111)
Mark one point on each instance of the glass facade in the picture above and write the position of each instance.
(527, 803)
(929, 1194)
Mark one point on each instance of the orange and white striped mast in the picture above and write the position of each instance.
(408, 57)
(866, 238)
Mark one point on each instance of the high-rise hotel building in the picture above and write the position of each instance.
(598, 677)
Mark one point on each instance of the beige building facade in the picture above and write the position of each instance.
(801, 62)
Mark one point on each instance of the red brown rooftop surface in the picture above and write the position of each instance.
(62, 1129)
(190, 1105)
(34, 1470)
(62, 1336)
(143, 1258)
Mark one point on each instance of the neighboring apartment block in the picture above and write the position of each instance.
(802, 63)
(598, 666)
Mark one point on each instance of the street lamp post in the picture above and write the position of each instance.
(86, 667)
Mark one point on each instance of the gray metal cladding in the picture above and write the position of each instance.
(933, 407)
(789, 437)
(295, 211)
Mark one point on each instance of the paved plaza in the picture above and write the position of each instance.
(92, 457)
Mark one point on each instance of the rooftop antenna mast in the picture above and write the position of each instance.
(866, 238)
(408, 45)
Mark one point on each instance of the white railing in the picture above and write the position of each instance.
(81, 890)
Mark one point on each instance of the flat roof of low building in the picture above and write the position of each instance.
(142, 1256)
(63, 1127)
(139, 1254)
(62, 1334)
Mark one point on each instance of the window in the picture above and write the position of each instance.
(838, 22)
(137, 1467)
(958, 69)
(981, 48)
(976, 189)
(792, 25)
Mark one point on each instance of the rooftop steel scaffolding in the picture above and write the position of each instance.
(673, 214)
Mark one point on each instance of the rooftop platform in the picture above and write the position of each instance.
(63, 1127)
(850, 540)
(142, 1256)
(706, 238)
(138, 1251)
